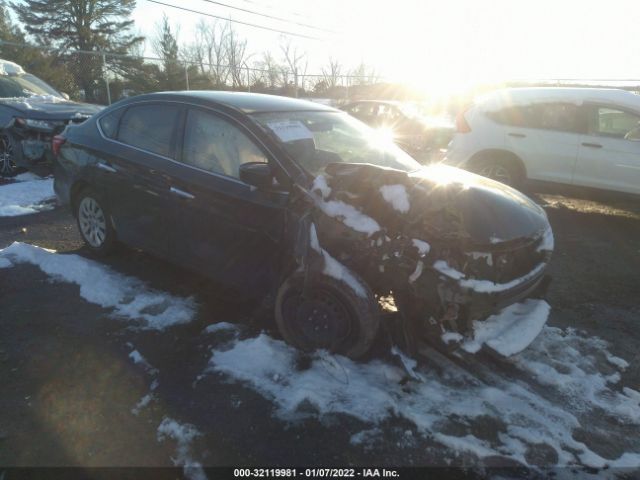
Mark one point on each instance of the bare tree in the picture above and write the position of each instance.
(271, 70)
(364, 74)
(236, 54)
(296, 61)
(331, 73)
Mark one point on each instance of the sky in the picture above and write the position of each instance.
(440, 46)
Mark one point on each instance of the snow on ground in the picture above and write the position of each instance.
(511, 330)
(128, 297)
(183, 434)
(450, 407)
(27, 194)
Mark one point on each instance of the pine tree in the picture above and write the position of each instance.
(91, 25)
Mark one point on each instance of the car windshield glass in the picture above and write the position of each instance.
(316, 139)
(25, 85)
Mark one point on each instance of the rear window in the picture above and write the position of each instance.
(109, 123)
(562, 117)
(149, 127)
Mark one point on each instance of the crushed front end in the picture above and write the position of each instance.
(457, 253)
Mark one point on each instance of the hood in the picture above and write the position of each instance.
(49, 107)
(438, 202)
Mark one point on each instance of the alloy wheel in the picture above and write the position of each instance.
(497, 172)
(7, 164)
(93, 223)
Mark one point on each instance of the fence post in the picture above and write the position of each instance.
(106, 78)
(186, 75)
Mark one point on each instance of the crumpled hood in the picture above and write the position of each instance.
(438, 202)
(49, 107)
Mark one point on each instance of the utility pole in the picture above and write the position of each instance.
(106, 77)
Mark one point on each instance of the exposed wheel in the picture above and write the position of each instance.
(94, 223)
(8, 152)
(331, 316)
(501, 169)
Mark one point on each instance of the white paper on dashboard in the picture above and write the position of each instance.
(290, 130)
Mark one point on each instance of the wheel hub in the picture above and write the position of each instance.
(92, 222)
(321, 320)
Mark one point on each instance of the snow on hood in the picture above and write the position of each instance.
(10, 68)
(33, 102)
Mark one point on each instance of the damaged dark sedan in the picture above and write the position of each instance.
(31, 113)
(304, 207)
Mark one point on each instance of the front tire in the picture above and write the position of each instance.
(330, 316)
(94, 223)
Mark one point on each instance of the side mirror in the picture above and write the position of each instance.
(257, 174)
(65, 95)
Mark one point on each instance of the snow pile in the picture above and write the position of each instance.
(320, 185)
(32, 101)
(138, 359)
(183, 434)
(350, 216)
(10, 68)
(511, 330)
(485, 286)
(128, 297)
(219, 327)
(422, 246)
(451, 406)
(568, 362)
(29, 194)
(396, 196)
(334, 268)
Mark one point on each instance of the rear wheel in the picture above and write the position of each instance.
(501, 169)
(94, 223)
(8, 152)
(330, 316)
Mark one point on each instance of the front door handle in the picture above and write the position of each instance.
(106, 167)
(517, 135)
(181, 193)
(592, 145)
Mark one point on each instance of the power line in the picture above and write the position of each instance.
(272, 7)
(294, 34)
(273, 17)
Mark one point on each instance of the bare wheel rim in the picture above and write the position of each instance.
(497, 172)
(7, 165)
(93, 223)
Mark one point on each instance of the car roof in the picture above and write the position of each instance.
(529, 95)
(242, 101)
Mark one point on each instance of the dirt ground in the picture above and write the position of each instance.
(68, 384)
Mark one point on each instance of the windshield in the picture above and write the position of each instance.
(25, 85)
(316, 139)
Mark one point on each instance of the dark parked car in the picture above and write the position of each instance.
(31, 113)
(424, 138)
(298, 203)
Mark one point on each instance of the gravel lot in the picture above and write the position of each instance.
(71, 380)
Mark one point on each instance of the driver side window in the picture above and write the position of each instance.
(217, 146)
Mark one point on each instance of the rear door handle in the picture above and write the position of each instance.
(181, 193)
(517, 135)
(106, 167)
(592, 145)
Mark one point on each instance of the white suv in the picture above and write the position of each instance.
(579, 136)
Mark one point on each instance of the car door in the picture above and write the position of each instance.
(134, 174)
(545, 136)
(221, 226)
(609, 155)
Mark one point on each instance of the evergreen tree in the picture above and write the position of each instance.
(91, 25)
(165, 45)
